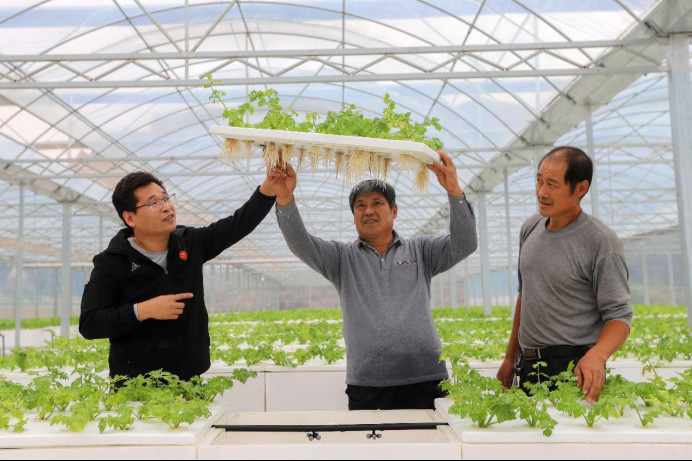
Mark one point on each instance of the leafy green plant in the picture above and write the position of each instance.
(121, 421)
(81, 414)
(348, 121)
(486, 402)
(177, 410)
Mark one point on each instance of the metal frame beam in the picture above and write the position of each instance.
(399, 77)
(330, 52)
(680, 95)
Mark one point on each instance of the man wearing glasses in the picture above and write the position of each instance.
(146, 293)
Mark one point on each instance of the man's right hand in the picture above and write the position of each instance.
(165, 307)
(283, 182)
(506, 373)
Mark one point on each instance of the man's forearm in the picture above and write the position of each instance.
(462, 227)
(613, 336)
(319, 255)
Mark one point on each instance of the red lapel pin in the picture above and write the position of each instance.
(183, 255)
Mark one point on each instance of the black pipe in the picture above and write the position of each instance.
(327, 428)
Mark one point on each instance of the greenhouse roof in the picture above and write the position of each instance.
(92, 90)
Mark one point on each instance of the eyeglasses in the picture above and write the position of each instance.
(156, 205)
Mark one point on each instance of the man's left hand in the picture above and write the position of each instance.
(590, 373)
(446, 174)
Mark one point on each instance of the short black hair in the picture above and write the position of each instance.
(579, 165)
(124, 194)
(373, 185)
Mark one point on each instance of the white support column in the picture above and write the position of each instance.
(227, 289)
(248, 290)
(671, 279)
(258, 291)
(211, 273)
(240, 290)
(485, 256)
(537, 156)
(251, 293)
(467, 286)
(218, 288)
(100, 248)
(510, 253)
(66, 271)
(258, 294)
(36, 295)
(593, 189)
(187, 38)
(270, 295)
(56, 292)
(278, 296)
(310, 296)
(237, 301)
(441, 281)
(19, 268)
(453, 288)
(680, 99)
(645, 278)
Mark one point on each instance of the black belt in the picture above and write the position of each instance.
(555, 352)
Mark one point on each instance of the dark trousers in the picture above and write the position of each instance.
(420, 396)
(557, 360)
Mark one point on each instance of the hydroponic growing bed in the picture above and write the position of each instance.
(624, 438)
(438, 443)
(144, 439)
(299, 361)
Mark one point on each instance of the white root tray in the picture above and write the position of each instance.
(40, 434)
(415, 444)
(617, 432)
(386, 148)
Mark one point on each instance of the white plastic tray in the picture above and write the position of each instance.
(416, 444)
(40, 434)
(617, 432)
(382, 147)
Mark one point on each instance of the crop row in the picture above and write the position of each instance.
(73, 401)
(487, 403)
(659, 335)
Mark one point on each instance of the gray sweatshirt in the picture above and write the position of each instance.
(389, 331)
(572, 281)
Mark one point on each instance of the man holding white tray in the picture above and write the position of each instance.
(146, 293)
(573, 303)
(383, 281)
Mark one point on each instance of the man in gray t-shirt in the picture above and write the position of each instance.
(573, 302)
(383, 281)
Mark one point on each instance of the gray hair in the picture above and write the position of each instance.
(373, 185)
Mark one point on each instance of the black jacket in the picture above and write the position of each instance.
(123, 276)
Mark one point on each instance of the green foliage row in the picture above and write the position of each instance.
(349, 121)
(486, 402)
(89, 397)
(659, 334)
(31, 324)
(447, 312)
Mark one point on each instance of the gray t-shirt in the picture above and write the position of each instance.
(572, 281)
(389, 331)
(159, 257)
